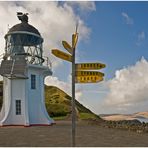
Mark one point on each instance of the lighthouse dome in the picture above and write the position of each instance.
(24, 39)
(24, 34)
(24, 26)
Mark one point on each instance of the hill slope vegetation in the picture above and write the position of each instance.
(58, 103)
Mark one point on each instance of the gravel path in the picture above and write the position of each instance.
(60, 135)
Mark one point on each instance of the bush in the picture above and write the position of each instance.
(56, 110)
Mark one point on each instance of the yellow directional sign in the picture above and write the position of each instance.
(74, 39)
(89, 66)
(89, 73)
(62, 55)
(88, 79)
(67, 47)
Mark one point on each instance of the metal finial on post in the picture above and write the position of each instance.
(77, 25)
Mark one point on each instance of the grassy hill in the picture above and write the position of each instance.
(58, 104)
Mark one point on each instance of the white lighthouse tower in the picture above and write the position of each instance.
(23, 74)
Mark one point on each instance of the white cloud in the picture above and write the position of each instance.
(83, 5)
(128, 20)
(141, 37)
(78, 93)
(65, 86)
(54, 81)
(128, 90)
(55, 22)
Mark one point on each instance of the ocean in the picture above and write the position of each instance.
(142, 119)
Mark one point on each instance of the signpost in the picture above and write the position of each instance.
(89, 73)
(73, 99)
(62, 55)
(90, 66)
(88, 79)
(79, 73)
(67, 47)
(74, 39)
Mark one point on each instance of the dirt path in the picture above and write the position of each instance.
(60, 135)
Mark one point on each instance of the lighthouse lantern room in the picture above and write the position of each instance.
(23, 74)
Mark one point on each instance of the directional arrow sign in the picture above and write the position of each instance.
(89, 66)
(89, 73)
(67, 46)
(88, 79)
(62, 55)
(74, 40)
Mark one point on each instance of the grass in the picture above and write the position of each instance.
(58, 105)
(87, 116)
(82, 116)
(60, 118)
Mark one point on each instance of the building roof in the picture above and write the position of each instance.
(24, 26)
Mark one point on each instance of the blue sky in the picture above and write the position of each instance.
(112, 40)
(118, 39)
(113, 33)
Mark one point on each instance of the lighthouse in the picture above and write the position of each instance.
(23, 69)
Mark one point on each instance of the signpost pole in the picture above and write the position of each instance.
(92, 76)
(73, 99)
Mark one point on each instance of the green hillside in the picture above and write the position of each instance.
(58, 104)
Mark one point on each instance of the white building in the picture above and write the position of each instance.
(23, 77)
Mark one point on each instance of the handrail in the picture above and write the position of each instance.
(28, 54)
(47, 62)
(1, 57)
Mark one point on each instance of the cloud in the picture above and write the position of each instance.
(54, 81)
(128, 20)
(79, 93)
(65, 86)
(128, 90)
(83, 5)
(54, 21)
(141, 37)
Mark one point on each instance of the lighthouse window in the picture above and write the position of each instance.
(33, 81)
(18, 107)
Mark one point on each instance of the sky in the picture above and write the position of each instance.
(113, 33)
